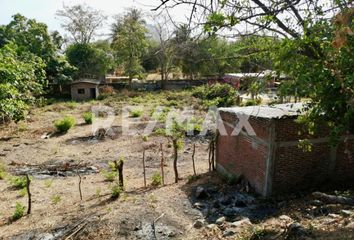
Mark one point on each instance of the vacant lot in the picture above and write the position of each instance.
(54, 161)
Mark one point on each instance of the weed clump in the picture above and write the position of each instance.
(64, 124)
(156, 179)
(220, 95)
(135, 113)
(116, 190)
(88, 117)
(19, 211)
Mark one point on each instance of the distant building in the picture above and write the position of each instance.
(271, 160)
(235, 79)
(84, 89)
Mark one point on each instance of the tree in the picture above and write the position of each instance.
(165, 50)
(31, 36)
(91, 59)
(22, 78)
(81, 21)
(130, 42)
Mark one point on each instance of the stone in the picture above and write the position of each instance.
(297, 230)
(200, 192)
(199, 205)
(226, 201)
(316, 203)
(231, 212)
(45, 236)
(216, 204)
(220, 220)
(198, 224)
(228, 233)
(332, 215)
(240, 203)
(211, 226)
(241, 223)
(285, 218)
(346, 213)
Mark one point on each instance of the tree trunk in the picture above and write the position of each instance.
(175, 149)
(119, 167)
(193, 159)
(78, 173)
(162, 165)
(144, 173)
(28, 194)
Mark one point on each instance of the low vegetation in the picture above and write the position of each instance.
(156, 179)
(19, 211)
(220, 95)
(88, 117)
(64, 124)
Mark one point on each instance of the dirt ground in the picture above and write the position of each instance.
(58, 212)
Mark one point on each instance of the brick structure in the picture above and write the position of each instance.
(85, 89)
(271, 160)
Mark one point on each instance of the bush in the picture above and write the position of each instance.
(2, 172)
(19, 182)
(64, 124)
(109, 176)
(136, 113)
(115, 191)
(19, 211)
(106, 90)
(56, 199)
(156, 179)
(88, 117)
(220, 95)
(252, 102)
(71, 105)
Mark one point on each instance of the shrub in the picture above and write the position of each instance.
(109, 176)
(88, 117)
(252, 102)
(56, 199)
(193, 178)
(106, 90)
(71, 105)
(2, 172)
(136, 113)
(19, 211)
(156, 179)
(64, 124)
(19, 182)
(115, 190)
(220, 95)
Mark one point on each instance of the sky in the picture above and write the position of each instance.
(44, 10)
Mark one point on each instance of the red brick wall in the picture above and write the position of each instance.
(296, 170)
(344, 170)
(241, 155)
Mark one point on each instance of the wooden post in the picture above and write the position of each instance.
(162, 165)
(78, 173)
(119, 167)
(28, 194)
(213, 154)
(144, 173)
(193, 159)
(175, 158)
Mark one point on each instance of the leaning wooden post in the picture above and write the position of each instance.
(213, 154)
(193, 159)
(162, 165)
(209, 157)
(78, 173)
(119, 167)
(144, 173)
(28, 194)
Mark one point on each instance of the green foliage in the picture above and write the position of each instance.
(48, 183)
(19, 182)
(2, 172)
(110, 176)
(71, 105)
(88, 117)
(116, 190)
(94, 59)
(130, 42)
(220, 95)
(64, 124)
(145, 138)
(56, 199)
(252, 102)
(19, 211)
(135, 113)
(156, 179)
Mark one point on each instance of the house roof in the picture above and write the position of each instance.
(258, 75)
(270, 112)
(86, 80)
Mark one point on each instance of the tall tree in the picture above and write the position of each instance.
(81, 21)
(129, 41)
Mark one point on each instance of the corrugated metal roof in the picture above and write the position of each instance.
(86, 80)
(265, 111)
